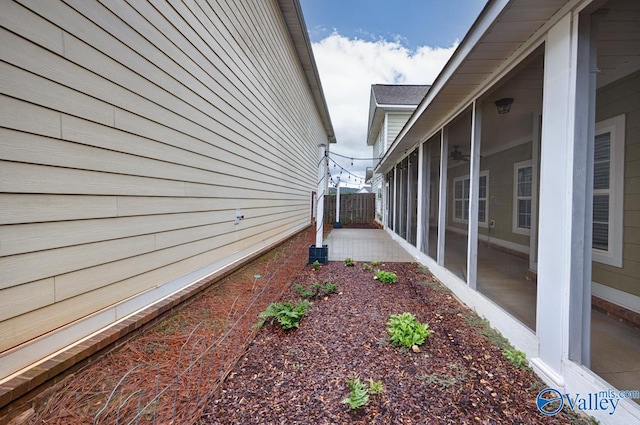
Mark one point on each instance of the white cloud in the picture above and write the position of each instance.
(348, 68)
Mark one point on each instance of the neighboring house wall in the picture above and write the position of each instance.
(129, 136)
(394, 123)
(376, 182)
(623, 98)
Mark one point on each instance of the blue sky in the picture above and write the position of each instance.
(357, 43)
(436, 23)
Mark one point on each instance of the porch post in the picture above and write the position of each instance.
(579, 348)
(474, 190)
(408, 199)
(442, 198)
(318, 251)
(395, 198)
(420, 188)
(337, 224)
(425, 194)
(564, 253)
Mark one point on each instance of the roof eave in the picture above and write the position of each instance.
(294, 20)
(479, 27)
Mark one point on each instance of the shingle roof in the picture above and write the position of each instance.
(395, 94)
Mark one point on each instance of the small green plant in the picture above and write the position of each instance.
(366, 266)
(349, 262)
(406, 331)
(375, 387)
(316, 290)
(358, 393)
(375, 263)
(286, 314)
(517, 358)
(330, 288)
(386, 277)
(316, 265)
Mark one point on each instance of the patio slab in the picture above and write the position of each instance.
(365, 245)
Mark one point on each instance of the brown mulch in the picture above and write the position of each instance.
(300, 376)
(241, 375)
(210, 332)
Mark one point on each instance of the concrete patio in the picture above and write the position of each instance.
(365, 245)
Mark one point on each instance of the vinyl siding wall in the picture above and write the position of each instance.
(623, 97)
(376, 182)
(129, 136)
(395, 122)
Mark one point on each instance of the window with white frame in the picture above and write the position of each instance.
(522, 197)
(608, 192)
(461, 199)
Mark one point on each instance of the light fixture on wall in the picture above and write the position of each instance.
(504, 105)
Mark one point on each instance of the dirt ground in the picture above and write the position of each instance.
(206, 363)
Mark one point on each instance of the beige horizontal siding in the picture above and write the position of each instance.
(395, 122)
(129, 136)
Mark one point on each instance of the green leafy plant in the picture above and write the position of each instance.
(316, 290)
(330, 288)
(375, 263)
(349, 262)
(316, 265)
(366, 266)
(375, 387)
(386, 277)
(517, 358)
(406, 331)
(358, 393)
(287, 315)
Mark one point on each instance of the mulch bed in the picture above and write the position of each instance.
(269, 376)
(221, 318)
(300, 376)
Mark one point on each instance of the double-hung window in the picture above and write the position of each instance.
(522, 197)
(608, 179)
(461, 199)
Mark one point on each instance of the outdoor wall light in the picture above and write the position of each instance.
(504, 105)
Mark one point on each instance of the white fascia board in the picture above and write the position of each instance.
(482, 24)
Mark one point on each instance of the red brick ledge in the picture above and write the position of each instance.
(17, 394)
(616, 312)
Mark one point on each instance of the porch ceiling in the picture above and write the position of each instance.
(503, 27)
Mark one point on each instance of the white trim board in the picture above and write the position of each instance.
(28, 355)
(495, 241)
(616, 296)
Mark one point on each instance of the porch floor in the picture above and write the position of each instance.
(365, 245)
(614, 345)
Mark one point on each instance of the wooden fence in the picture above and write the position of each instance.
(356, 208)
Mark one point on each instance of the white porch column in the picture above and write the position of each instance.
(338, 201)
(395, 199)
(420, 188)
(322, 184)
(474, 190)
(579, 348)
(564, 245)
(425, 195)
(442, 198)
